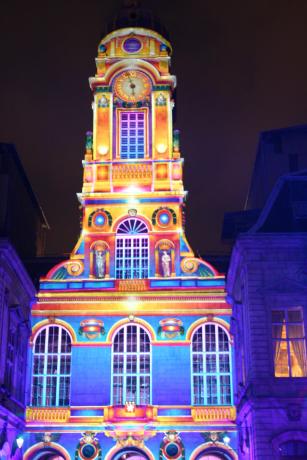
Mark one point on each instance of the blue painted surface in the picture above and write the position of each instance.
(90, 379)
(171, 381)
(47, 285)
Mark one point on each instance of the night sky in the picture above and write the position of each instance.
(241, 68)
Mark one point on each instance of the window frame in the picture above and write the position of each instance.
(124, 373)
(42, 358)
(217, 373)
(296, 444)
(288, 339)
(129, 237)
(118, 114)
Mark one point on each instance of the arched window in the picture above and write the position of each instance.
(131, 365)
(132, 249)
(51, 367)
(211, 366)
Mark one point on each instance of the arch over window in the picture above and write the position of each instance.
(213, 451)
(131, 454)
(213, 455)
(132, 226)
(51, 367)
(132, 249)
(285, 443)
(131, 366)
(41, 451)
(211, 366)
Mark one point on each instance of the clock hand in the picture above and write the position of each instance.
(132, 86)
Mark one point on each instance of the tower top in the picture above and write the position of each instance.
(133, 14)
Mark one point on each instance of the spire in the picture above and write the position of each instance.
(133, 14)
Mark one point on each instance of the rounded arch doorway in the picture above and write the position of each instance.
(131, 453)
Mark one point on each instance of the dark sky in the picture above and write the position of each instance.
(241, 68)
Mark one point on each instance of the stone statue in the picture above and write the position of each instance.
(100, 263)
(166, 264)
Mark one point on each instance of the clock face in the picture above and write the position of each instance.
(132, 86)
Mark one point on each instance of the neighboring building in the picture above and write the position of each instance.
(131, 351)
(22, 227)
(267, 286)
(22, 220)
(280, 152)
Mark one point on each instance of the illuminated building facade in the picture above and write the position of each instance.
(131, 351)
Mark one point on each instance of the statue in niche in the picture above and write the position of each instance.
(100, 263)
(166, 264)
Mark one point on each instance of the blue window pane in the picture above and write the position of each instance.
(132, 142)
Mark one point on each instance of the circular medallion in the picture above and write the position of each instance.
(164, 218)
(172, 450)
(132, 45)
(99, 220)
(132, 86)
(88, 451)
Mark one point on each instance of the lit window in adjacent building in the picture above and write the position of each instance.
(289, 343)
(132, 250)
(51, 367)
(132, 135)
(131, 366)
(211, 366)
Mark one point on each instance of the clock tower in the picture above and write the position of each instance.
(131, 351)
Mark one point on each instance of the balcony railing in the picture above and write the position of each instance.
(47, 414)
(140, 172)
(213, 413)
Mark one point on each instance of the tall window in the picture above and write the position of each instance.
(131, 365)
(211, 366)
(51, 367)
(132, 249)
(132, 135)
(289, 343)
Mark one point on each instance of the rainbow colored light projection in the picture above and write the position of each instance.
(131, 351)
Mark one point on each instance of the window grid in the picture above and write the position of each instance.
(132, 257)
(211, 366)
(289, 343)
(132, 135)
(51, 367)
(131, 366)
(293, 449)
